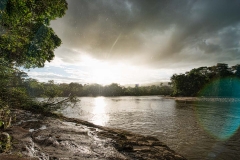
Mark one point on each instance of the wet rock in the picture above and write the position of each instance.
(141, 148)
(136, 146)
(56, 144)
(68, 138)
(49, 141)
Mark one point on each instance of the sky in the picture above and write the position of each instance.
(141, 41)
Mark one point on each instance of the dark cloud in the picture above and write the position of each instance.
(209, 48)
(156, 32)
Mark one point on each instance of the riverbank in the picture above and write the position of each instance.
(35, 136)
(186, 99)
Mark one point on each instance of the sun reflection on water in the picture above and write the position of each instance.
(100, 116)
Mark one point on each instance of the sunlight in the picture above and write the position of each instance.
(102, 72)
(91, 70)
(99, 105)
(100, 116)
(102, 75)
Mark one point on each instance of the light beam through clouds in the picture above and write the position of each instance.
(115, 42)
(90, 70)
(150, 36)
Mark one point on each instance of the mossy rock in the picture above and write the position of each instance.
(5, 142)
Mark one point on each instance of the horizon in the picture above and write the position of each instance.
(137, 42)
(123, 85)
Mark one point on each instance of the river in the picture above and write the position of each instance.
(206, 129)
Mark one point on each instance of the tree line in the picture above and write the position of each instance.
(219, 81)
(39, 89)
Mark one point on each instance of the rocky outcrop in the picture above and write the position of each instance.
(39, 137)
(135, 146)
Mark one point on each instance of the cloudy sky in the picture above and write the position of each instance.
(142, 41)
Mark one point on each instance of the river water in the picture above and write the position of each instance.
(206, 129)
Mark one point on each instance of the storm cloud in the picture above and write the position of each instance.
(156, 33)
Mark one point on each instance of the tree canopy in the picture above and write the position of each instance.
(39, 89)
(26, 39)
(219, 80)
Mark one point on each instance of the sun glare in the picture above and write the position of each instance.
(103, 73)
(99, 105)
(100, 116)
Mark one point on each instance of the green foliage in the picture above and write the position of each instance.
(5, 142)
(5, 122)
(5, 116)
(113, 90)
(25, 36)
(192, 82)
(223, 87)
(50, 89)
(12, 92)
(33, 87)
(25, 40)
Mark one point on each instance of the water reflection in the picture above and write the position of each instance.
(208, 129)
(100, 117)
(221, 120)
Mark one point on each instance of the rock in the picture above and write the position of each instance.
(69, 138)
(56, 144)
(137, 146)
(5, 142)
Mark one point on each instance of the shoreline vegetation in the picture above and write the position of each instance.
(39, 89)
(27, 40)
(215, 81)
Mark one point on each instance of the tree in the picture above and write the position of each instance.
(51, 90)
(25, 36)
(75, 89)
(12, 91)
(25, 40)
(236, 70)
(113, 89)
(219, 78)
(33, 87)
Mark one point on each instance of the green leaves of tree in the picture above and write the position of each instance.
(25, 36)
(191, 83)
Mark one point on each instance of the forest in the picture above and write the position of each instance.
(14, 80)
(39, 89)
(216, 81)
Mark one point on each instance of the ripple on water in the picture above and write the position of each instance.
(207, 129)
